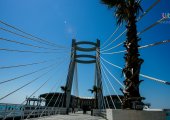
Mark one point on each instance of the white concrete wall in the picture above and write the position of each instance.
(98, 112)
(135, 115)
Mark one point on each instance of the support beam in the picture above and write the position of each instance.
(99, 77)
(70, 76)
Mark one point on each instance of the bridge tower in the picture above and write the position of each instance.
(75, 58)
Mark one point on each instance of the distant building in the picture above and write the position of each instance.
(34, 101)
(57, 100)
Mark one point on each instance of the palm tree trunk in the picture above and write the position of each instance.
(133, 64)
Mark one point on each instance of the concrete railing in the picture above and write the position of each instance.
(119, 114)
(99, 112)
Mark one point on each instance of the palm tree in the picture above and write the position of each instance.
(126, 11)
(95, 90)
(64, 89)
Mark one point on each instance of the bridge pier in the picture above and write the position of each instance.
(73, 62)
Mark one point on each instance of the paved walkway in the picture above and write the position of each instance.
(76, 116)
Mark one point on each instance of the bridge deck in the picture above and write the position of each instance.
(71, 116)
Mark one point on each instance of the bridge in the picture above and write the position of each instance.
(76, 116)
(62, 100)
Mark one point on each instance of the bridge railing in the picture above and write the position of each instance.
(10, 110)
(23, 111)
(167, 113)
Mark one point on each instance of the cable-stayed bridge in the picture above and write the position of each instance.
(60, 60)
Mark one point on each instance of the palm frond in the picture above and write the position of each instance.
(90, 90)
(121, 15)
(124, 8)
(137, 7)
(63, 88)
(113, 3)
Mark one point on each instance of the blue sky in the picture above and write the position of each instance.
(59, 21)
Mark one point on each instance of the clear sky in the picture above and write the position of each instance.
(59, 21)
